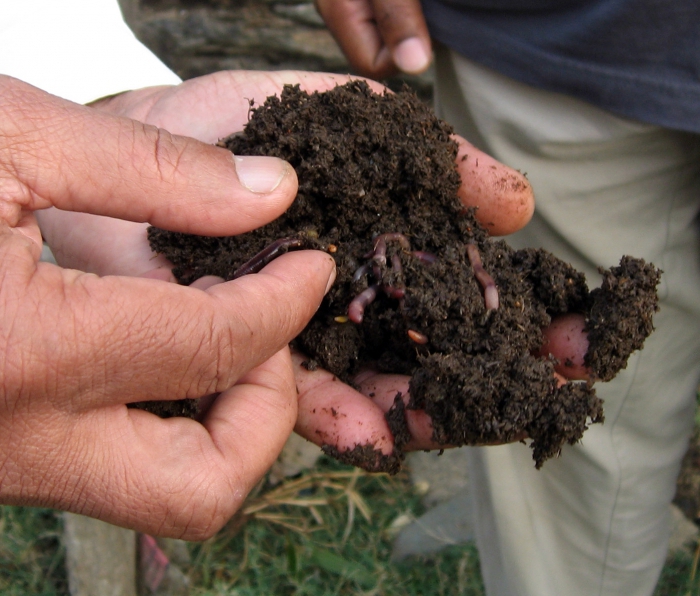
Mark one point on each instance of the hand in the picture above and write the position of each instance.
(77, 347)
(214, 106)
(211, 107)
(331, 413)
(379, 37)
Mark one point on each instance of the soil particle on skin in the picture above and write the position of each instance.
(378, 191)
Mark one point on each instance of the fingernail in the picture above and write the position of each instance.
(331, 278)
(411, 56)
(260, 174)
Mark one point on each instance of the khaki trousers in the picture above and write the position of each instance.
(596, 520)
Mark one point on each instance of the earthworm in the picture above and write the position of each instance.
(425, 257)
(356, 309)
(379, 253)
(396, 265)
(380, 245)
(398, 236)
(486, 281)
(393, 291)
(267, 255)
(362, 270)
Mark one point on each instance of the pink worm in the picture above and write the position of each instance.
(356, 309)
(486, 281)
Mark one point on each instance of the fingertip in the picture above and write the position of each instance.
(381, 67)
(383, 390)
(566, 340)
(411, 56)
(159, 274)
(503, 196)
(217, 193)
(268, 186)
(331, 275)
(310, 269)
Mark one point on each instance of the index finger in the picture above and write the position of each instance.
(56, 153)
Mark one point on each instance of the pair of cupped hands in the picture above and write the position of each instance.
(108, 326)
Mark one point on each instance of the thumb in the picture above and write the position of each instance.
(56, 153)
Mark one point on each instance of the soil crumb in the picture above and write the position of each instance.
(421, 289)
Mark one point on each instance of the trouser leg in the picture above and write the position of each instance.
(594, 521)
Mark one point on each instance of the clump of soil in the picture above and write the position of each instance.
(378, 191)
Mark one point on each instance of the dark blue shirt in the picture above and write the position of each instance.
(637, 58)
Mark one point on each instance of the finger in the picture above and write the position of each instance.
(567, 341)
(101, 245)
(353, 25)
(383, 389)
(334, 414)
(503, 196)
(250, 423)
(173, 477)
(404, 33)
(206, 282)
(203, 341)
(129, 170)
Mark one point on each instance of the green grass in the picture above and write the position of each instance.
(330, 534)
(679, 577)
(326, 533)
(31, 556)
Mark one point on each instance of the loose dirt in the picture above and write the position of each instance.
(421, 289)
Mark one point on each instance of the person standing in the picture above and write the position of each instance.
(598, 101)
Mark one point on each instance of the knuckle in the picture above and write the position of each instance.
(167, 154)
(215, 358)
(166, 151)
(210, 506)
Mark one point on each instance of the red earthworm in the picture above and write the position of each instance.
(267, 255)
(360, 271)
(425, 257)
(380, 245)
(398, 236)
(486, 281)
(393, 291)
(356, 309)
(379, 254)
(396, 266)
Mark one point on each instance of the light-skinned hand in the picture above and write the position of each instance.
(76, 347)
(211, 107)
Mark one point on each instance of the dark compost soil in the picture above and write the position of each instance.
(378, 191)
